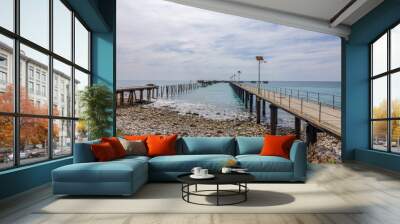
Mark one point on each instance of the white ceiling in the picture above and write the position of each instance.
(314, 15)
(321, 9)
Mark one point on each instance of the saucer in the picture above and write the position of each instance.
(208, 176)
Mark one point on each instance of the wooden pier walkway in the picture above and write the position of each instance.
(319, 115)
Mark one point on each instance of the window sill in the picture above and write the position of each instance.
(30, 166)
(377, 158)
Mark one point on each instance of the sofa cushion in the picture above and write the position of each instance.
(257, 163)
(136, 147)
(249, 145)
(185, 163)
(277, 145)
(161, 145)
(132, 158)
(116, 145)
(103, 152)
(206, 145)
(136, 137)
(112, 171)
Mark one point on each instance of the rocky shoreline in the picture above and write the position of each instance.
(146, 119)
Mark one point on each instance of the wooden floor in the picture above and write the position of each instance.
(329, 119)
(378, 189)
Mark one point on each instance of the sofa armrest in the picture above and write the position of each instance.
(83, 152)
(298, 155)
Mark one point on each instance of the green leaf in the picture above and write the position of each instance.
(97, 109)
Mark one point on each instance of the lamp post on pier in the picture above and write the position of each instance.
(259, 59)
(239, 72)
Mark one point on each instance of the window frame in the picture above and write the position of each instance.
(16, 114)
(388, 74)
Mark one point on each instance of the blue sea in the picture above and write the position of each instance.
(219, 101)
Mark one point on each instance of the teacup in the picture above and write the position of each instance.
(203, 172)
(196, 171)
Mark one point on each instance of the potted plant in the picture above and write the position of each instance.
(96, 103)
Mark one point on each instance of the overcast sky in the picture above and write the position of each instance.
(160, 40)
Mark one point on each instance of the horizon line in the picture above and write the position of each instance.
(228, 80)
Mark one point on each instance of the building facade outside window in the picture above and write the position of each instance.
(3, 61)
(385, 91)
(3, 78)
(45, 131)
(3, 71)
(38, 89)
(30, 87)
(31, 76)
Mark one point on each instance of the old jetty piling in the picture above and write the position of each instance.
(167, 91)
(321, 111)
(136, 94)
(143, 94)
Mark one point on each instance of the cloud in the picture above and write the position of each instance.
(159, 40)
(178, 47)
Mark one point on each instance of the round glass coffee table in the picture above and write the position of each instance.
(238, 179)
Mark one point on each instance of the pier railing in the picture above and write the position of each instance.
(326, 99)
(323, 114)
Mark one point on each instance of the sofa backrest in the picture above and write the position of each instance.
(249, 145)
(190, 146)
(83, 153)
(206, 145)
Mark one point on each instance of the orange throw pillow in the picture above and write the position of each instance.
(275, 145)
(161, 145)
(136, 137)
(116, 145)
(103, 152)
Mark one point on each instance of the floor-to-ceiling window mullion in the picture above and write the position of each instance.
(50, 87)
(389, 99)
(73, 82)
(371, 89)
(16, 85)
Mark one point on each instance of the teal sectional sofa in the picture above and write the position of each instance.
(125, 176)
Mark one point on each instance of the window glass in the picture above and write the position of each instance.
(81, 45)
(31, 89)
(62, 138)
(34, 81)
(34, 21)
(395, 47)
(33, 139)
(379, 100)
(7, 14)
(81, 131)
(395, 95)
(62, 89)
(39, 62)
(62, 29)
(379, 135)
(379, 56)
(6, 74)
(81, 82)
(395, 136)
(6, 142)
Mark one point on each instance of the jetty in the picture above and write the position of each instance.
(320, 113)
(140, 94)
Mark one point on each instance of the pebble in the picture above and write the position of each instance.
(142, 119)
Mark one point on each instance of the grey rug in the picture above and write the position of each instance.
(166, 198)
